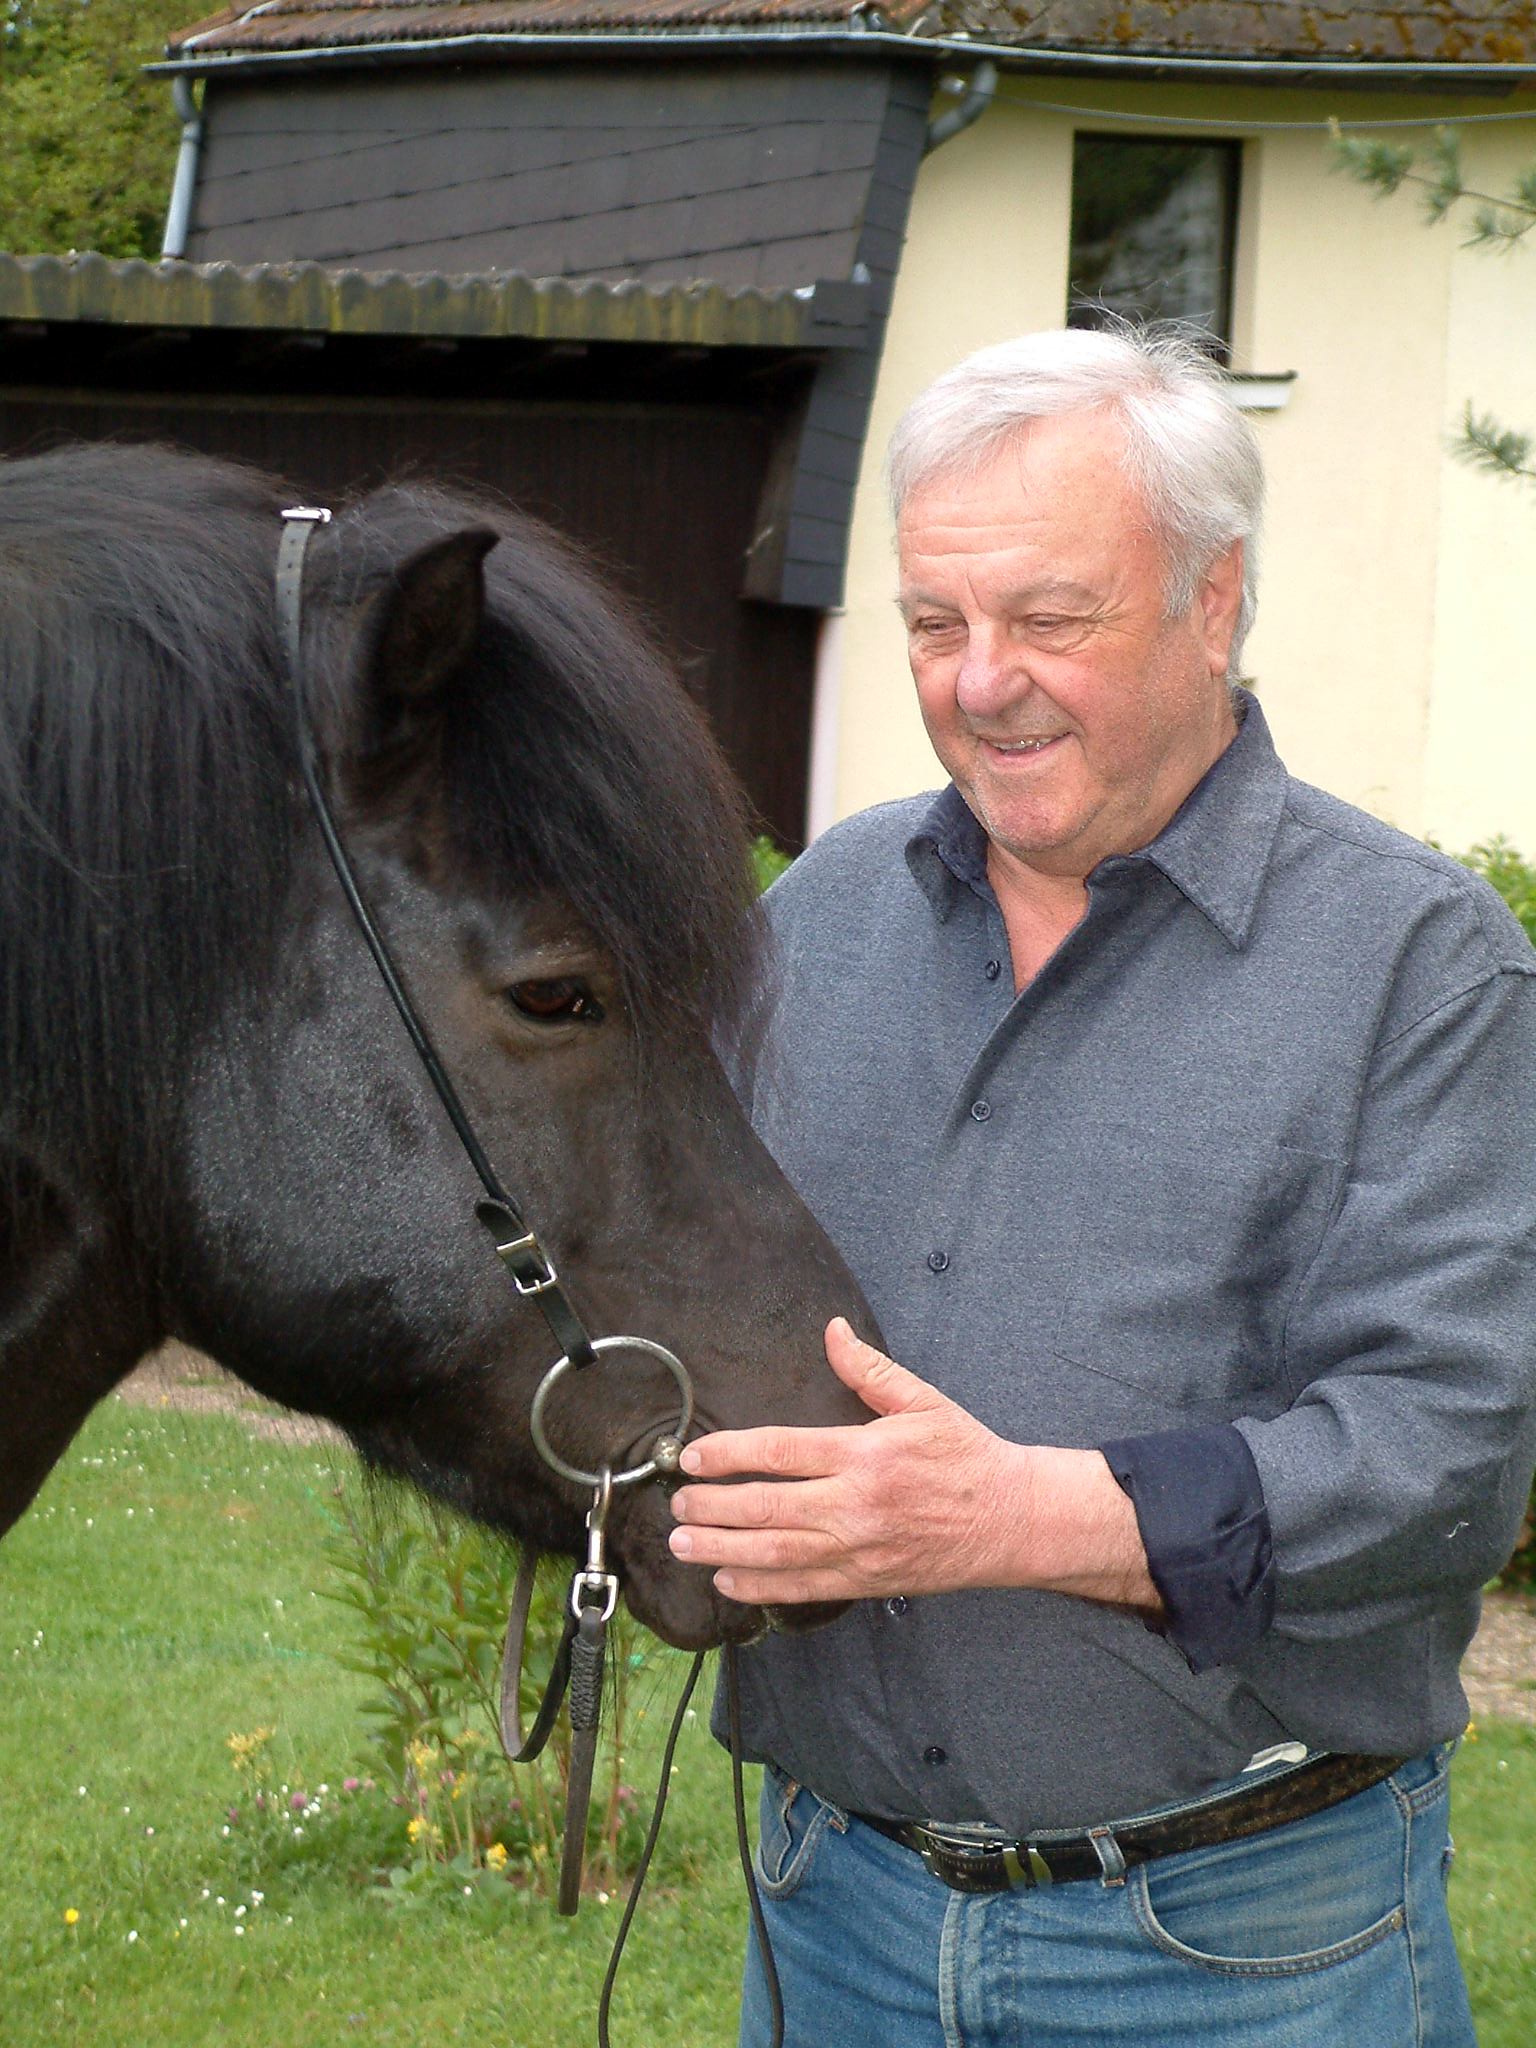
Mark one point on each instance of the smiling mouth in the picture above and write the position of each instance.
(1026, 748)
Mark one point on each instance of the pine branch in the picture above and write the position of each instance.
(1444, 184)
(1383, 165)
(1501, 451)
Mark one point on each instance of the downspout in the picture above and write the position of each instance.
(978, 97)
(179, 217)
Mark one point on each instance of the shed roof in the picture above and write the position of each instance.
(1411, 33)
(298, 298)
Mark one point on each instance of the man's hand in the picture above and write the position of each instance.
(924, 1499)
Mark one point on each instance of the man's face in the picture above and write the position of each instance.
(1072, 712)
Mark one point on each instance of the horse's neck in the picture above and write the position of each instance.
(71, 1325)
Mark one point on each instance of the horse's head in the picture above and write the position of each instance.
(548, 839)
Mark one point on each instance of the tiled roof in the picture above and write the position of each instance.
(1432, 32)
(308, 298)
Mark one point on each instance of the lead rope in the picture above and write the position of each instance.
(582, 1670)
(743, 1850)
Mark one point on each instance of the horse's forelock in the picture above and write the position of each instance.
(575, 765)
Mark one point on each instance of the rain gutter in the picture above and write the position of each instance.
(853, 41)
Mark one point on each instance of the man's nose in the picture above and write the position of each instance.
(992, 675)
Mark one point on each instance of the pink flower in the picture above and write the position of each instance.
(350, 1784)
(298, 1801)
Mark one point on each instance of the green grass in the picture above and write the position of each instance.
(164, 1594)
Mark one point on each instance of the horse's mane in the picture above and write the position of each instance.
(148, 762)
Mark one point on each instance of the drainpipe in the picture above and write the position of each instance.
(179, 217)
(978, 97)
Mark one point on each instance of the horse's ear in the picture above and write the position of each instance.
(421, 628)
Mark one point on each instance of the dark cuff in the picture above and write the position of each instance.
(1200, 1505)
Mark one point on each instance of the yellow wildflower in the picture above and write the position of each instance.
(496, 1856)
(246, 1749)
(421, 1756)
(72, 1913)
(422, 1832)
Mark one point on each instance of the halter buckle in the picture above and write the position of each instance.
(531, 1267)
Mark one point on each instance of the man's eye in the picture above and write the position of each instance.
(565, 1001)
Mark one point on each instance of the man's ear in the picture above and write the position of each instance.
(420, 629)
(1220, 598)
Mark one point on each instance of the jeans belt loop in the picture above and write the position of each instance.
(1107, 1849)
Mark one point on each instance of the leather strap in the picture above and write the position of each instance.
(521, 1748)
(533, 1273)
(1058, 1857)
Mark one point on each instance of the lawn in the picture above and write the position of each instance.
(166, 1593)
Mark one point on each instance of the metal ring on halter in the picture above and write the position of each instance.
(563, 1365)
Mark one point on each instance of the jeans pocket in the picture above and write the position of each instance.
(1297, 1898)
(792, 1822)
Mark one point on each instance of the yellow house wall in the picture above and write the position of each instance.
(1393, 649)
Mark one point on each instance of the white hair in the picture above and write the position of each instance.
(1188, 450)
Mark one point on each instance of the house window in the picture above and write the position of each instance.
(1153, 226)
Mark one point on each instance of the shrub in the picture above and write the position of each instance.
(429, 1596)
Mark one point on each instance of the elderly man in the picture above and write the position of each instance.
(1180, 1124)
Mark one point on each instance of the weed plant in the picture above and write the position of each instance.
(426, 1597)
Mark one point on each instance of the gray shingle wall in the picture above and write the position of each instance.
(762, 173)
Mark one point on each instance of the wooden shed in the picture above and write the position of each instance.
(642, 419)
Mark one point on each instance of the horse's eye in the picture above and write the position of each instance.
(565, 1001)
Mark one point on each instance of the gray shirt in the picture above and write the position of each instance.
(1256, 1148)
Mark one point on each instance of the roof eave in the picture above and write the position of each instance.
(1152, 66)
(299, 298)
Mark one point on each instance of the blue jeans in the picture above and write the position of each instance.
(1329, 1932)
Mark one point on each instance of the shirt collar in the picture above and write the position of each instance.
(1215, 849)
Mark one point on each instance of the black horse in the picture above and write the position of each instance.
(213, 1126)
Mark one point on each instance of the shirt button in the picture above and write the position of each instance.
(934, 1755)
(994, 969)
(896, 1606)
(938, 1262)
(980, 1111)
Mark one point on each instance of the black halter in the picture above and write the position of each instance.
(517, 1245)
(579, 1660)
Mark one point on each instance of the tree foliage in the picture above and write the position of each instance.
(1494, 220)
(89, 142)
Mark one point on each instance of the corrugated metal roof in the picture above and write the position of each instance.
(301, 298)
(1414, 32)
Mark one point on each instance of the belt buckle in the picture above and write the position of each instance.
(1023, 1865)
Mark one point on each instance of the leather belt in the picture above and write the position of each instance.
(1058, 1856)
